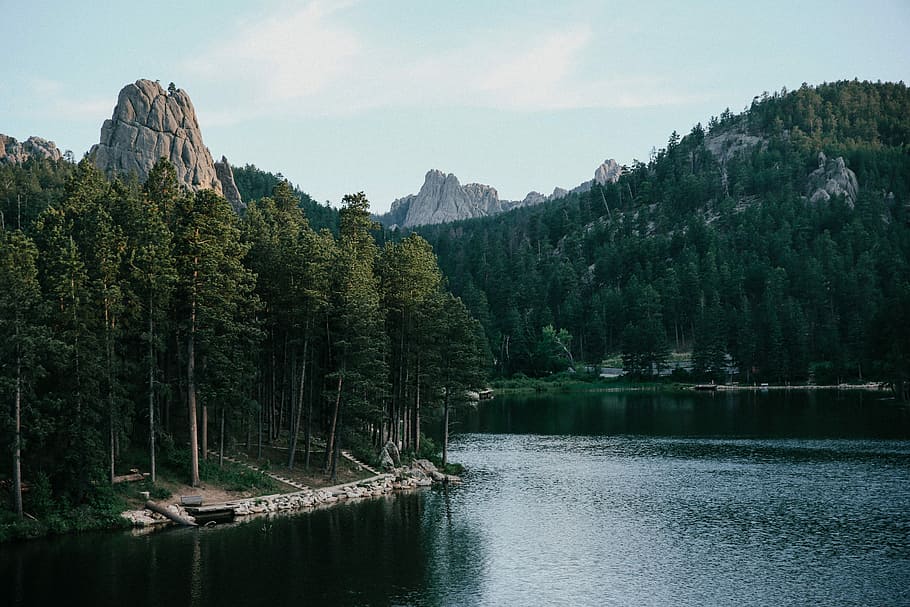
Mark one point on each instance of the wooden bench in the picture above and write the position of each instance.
(191, 500)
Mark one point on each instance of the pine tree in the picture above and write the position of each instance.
(25, 336)
(215, 308)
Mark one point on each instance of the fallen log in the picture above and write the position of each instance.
(180, 520)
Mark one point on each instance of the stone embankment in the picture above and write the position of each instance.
(421, 473)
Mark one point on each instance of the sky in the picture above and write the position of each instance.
(345, 96)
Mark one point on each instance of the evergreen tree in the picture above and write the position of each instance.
(22, 349)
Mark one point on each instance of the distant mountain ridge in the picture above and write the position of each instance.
(442, 198)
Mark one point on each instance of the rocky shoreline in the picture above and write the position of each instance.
(420, 473)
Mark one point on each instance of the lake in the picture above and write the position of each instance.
(777, 498)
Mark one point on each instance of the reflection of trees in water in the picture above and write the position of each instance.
(196, 580)
(722, 413)
(454, 550)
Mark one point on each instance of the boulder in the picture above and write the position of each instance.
(389, 457)
(831, 178)
(425, 466)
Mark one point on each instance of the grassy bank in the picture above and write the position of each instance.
(581, 382)
(47, 514)
(50, 515)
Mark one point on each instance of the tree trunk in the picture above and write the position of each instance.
(284, 389)
(151, 391)
(205, 429)
(221, 441)
(108, 346)
(111, 441)
(191, 383)
(191, 407)
(191, 375)
(272, 392)
(445, 431)
(337, 448)
(330, 446)
(417, 411)
(17, 440)
(259, 436)
(296, 431)
(308, 431)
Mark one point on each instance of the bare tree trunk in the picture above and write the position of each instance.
(111, 441)
(330, 446)
(337, 448)
(308, 432)
(259, 437)
(205, 429)
(445, 431)
(17, 440)
(151, 391)
(191, 407)
(417, 411)
(221, 441)
(300, 391)
(108, 347)
(249, 432)
(272, 392)
(284, 390)
(191, 381)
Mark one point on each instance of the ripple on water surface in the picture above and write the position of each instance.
(693, 521)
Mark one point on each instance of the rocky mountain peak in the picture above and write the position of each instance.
(442, 198)
(608, 172)
(14, 152)
(149, 123)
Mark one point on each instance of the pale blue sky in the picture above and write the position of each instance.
(344, 96)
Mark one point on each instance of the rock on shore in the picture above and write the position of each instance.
(421, 473)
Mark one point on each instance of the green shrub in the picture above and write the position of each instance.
(40, 500)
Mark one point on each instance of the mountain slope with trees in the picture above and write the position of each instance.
(713, 248)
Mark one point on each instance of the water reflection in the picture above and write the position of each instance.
(837, 414)
(600, 499)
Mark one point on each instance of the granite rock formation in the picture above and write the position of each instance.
(149, 123)
(228, 186)
(832, 178)
(442, 199)
(14, 152)
(608, 172)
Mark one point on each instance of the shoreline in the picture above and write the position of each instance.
(420, 474)
(870, 386)
(543, 387)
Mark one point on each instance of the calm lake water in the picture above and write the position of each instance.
(594, 499)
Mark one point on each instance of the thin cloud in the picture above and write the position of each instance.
(312, 61)
(287, 56)
(84, 108)
(45, 86)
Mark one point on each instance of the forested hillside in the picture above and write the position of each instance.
(254, 183)
(720, 245)
(139, 318)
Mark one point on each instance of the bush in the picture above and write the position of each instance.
(234, 478)
(40, 500)
(428, 448)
